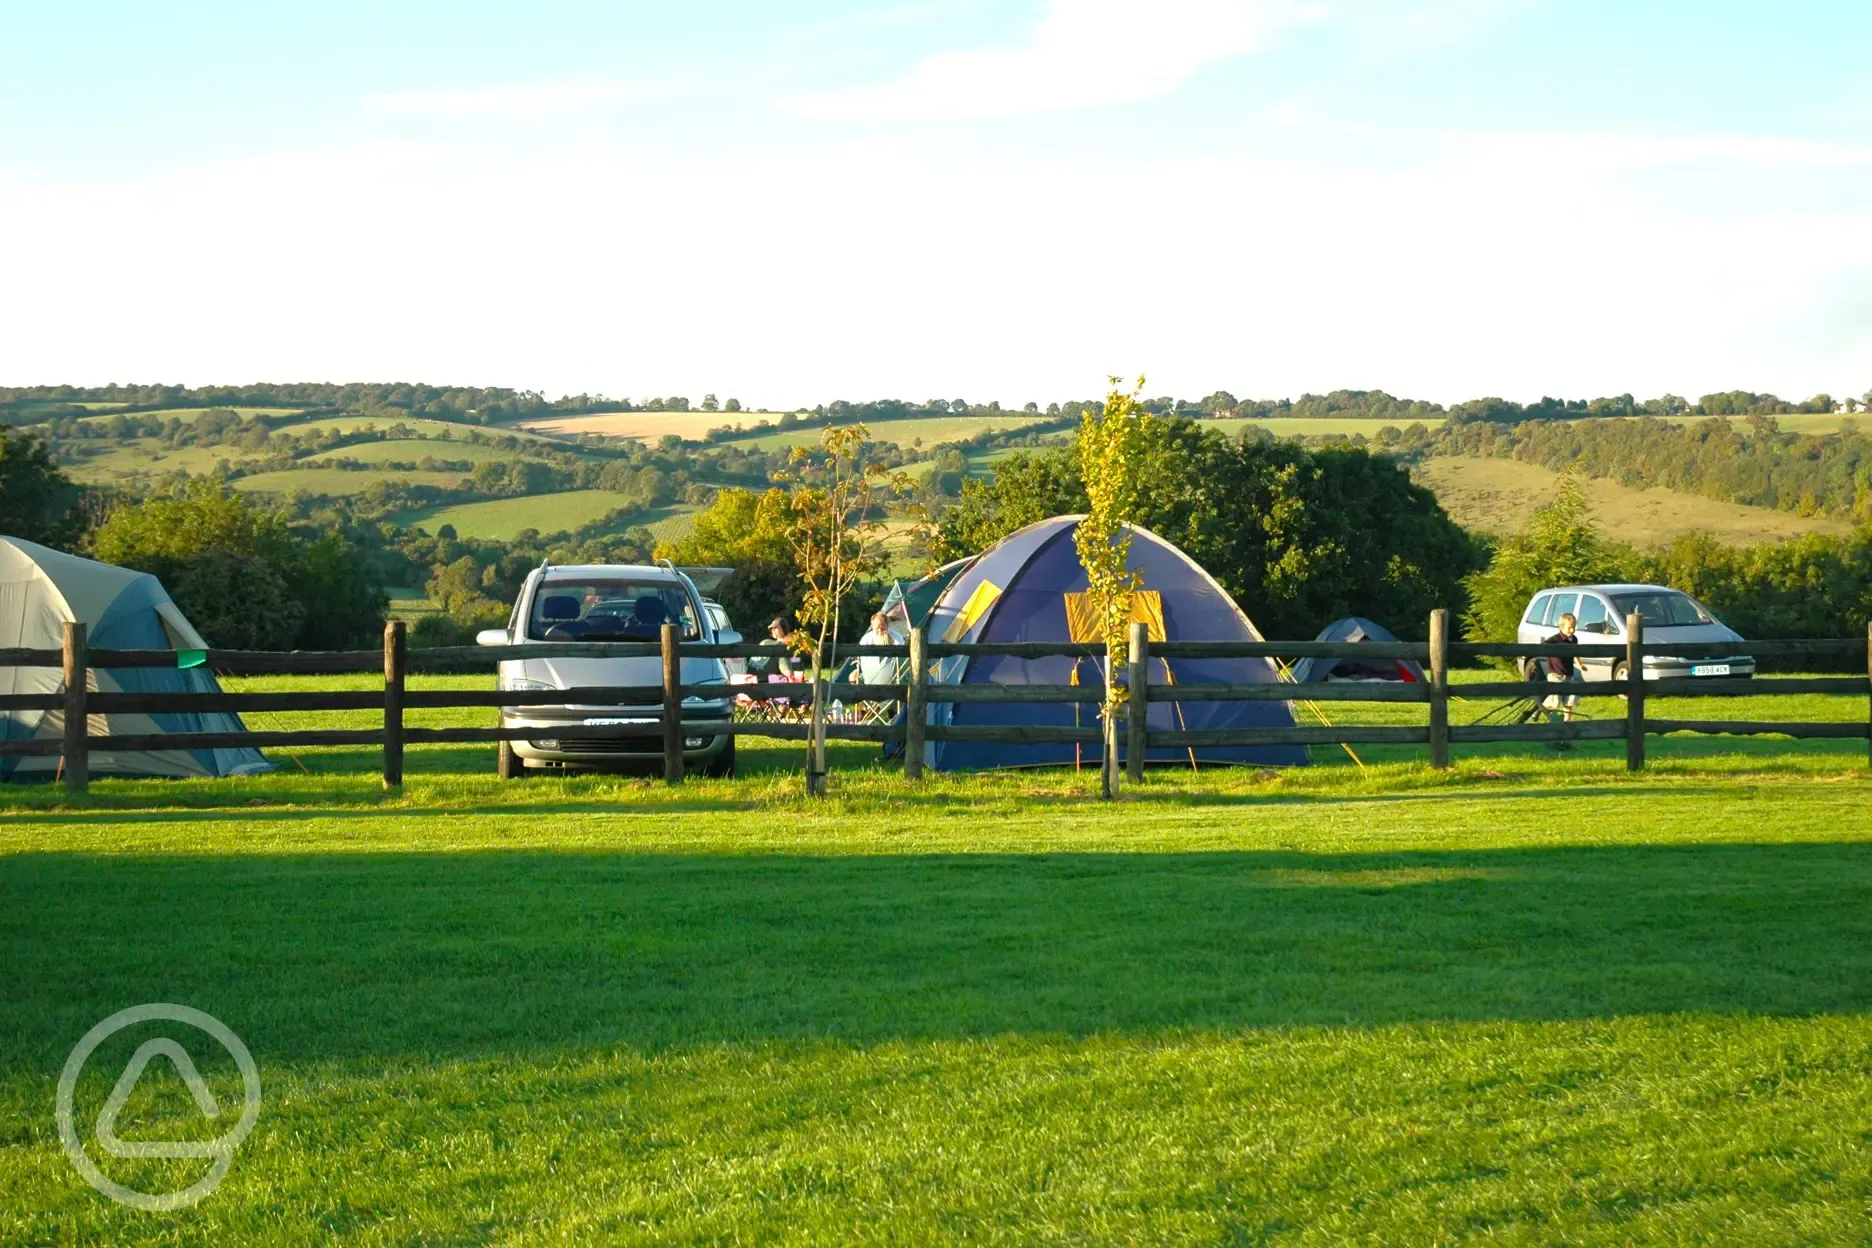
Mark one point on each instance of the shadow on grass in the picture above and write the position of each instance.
(310, 956)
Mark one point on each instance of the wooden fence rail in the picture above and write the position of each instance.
(657, 712)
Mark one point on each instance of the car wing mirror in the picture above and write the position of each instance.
(727, 637)
(491, 637)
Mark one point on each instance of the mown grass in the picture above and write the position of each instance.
(1535, 1000)
(504, 518)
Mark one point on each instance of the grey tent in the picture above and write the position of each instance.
(40, 591)
(1355, 629)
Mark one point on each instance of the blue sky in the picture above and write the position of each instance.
(792, 203)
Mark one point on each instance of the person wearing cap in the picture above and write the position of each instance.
(780, 632)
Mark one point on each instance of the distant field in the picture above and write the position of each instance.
(1297, 426)
(186, 414)
(412, 450)
(1497, 495)
(1806, 422)
(647, 425)
(503, 518)
(930, 431)
(338, 482)
(147, 455)
(672, 523)
(416, 424)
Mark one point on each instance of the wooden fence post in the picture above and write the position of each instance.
(1138, 711)
(1108, 728)
(1439, 688)
(1634, 692)
(672, 705)
(394, 643)
(77, 749)
(916, 695)
(816, 740)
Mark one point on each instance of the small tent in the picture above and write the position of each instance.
(1031, 587)
(40, 591)
(1355, 629)
(909, 603)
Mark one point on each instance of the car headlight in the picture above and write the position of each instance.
(520, 684)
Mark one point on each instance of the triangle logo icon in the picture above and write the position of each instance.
(126, 1083)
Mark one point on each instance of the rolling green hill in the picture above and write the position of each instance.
(503, 518)
(1497, 495)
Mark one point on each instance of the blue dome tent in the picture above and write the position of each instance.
(1355, 629)
(1030, 588)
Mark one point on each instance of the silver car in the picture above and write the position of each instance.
(1668, 614)
(609, 603)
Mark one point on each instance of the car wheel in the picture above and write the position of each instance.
(509, 765)
(1525, 666)
(1621, 672)
(722, 764)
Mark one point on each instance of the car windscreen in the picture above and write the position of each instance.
(1662, 610)
(604, 609)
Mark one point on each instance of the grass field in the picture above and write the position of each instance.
(1534, 1001)
(339, 481)
(648, 426)
(137, 456)
(1297, 426)
(186, 414)
(930, 430)
(412, 450)
(420, 425)
(504, 517)
(1498, 495)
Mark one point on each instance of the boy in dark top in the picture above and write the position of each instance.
(1560, 667)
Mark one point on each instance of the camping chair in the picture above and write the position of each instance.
(893, 672)
(788, 710)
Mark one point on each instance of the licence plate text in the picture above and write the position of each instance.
(1710, 669)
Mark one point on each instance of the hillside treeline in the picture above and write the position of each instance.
(1752, 461)
(1811, 586)
(1300, 537)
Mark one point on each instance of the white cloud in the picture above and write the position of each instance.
(1081, 53)
(1493, 262)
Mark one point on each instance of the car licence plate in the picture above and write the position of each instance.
(613, 723)
(1710, 669)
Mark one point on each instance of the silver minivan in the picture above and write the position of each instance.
(609, 603)
(1668, 615)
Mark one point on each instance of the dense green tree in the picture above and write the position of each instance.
(748, 532)
(1817, 585)
(1558, 545)
(208, 547)
(38, 502)
(1298, 537)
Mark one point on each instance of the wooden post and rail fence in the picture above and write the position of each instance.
(657, 710)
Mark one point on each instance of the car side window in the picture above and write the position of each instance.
(1562, 604)
(1592, 614)
(1537, 612)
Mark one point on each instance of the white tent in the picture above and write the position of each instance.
(40, 591)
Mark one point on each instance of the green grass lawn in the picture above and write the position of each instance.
(413, 450)
(503, 518)
(339, 481)
(1536, 1000)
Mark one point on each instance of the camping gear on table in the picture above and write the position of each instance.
(42, 589)
(1031, 587)
(1356, 629)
